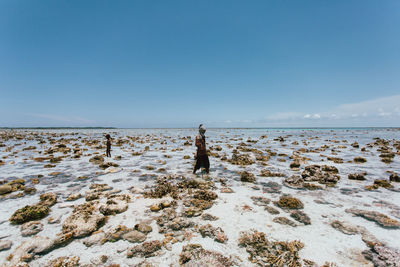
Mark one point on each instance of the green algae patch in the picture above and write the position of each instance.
(29, 213)
(17, 181)
(289, 202)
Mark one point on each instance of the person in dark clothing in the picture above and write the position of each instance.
(202, 157)
(108, 149)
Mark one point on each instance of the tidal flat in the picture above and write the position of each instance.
(273, 197)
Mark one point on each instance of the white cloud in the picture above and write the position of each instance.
(285, 116)
(316, 116)
(380, 111)
(379, 107)
(312, 116)
(370, 107)
(58, 118)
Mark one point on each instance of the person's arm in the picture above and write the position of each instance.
(198, 142)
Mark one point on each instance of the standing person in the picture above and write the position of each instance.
(108, 150)
(202, 157)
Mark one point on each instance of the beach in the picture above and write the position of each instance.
(273, 197)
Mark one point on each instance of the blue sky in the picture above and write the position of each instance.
(181, 63)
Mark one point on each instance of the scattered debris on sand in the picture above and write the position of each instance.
(270, 253)
(67, 204)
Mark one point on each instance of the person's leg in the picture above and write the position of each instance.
(207, 164)
(197, 165)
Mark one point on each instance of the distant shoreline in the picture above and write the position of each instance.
(53, 128)
(171, 128)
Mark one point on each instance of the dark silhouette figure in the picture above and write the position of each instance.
(108, 150)
(202, 157)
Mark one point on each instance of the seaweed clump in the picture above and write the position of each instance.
(360, 160)
(383, 183)
(380, 218)
(201, 200)
(394, 177)
(270, 253)
(324, 175)
(205, 195)
(240, 159)
(64, 261)
(29, 213)
(147, 249)
(84, 220)
(34, 212)
(247, 177)
(213, 232)
(289, 202)
(196, 255)
(163, 188)
(357, 176)
(48, 199)
(379, 183)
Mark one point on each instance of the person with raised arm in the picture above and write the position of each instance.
(202, 157)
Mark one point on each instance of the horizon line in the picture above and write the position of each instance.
(118, 128)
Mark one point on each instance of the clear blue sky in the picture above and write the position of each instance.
(181, 63)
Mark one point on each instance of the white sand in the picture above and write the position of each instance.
(322, 242)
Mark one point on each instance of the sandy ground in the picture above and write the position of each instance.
(134, 151)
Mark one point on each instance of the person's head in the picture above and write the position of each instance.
(108, 136)
(202, 129)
